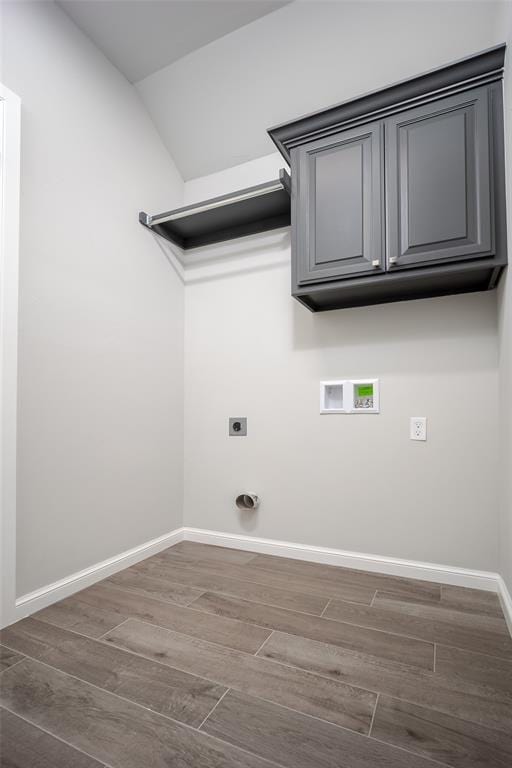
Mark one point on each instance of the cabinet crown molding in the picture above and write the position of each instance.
(479, 69)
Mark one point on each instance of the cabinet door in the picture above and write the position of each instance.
(338, 205)
(438, 205)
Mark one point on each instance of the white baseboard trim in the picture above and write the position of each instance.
(445, 574)
(52, 593)
(506, 602)
(392, 566)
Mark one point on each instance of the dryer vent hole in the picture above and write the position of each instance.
(246, 501)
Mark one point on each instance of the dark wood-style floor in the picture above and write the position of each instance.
(203, 657)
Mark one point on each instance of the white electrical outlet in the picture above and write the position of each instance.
(418, 428)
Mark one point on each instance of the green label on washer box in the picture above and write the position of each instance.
(364, 390)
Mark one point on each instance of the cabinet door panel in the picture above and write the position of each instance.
(438, 181)
(339, 205)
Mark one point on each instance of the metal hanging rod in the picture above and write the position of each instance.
(246, 211)
(284, 182)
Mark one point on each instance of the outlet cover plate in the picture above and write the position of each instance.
(238, 426)
(418, 428)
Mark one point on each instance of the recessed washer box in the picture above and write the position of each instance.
(332, 397)
(349, 396)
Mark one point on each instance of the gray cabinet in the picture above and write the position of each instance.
(340, 205)
(400, 194)
(438, 186)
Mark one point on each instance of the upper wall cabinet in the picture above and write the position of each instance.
(438, 181)
(339, 209)
(400, 194)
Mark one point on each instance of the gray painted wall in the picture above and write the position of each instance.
(505, 331)
(101, 337)
(101, 312)
(352, 482)
(356, 483)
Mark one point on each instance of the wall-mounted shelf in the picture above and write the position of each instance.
(246, 212)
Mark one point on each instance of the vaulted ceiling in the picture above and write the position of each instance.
(142, 36)
(216, 74)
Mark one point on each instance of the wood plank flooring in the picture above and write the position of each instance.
(8, 658)
(22, 744)
(204, 657)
